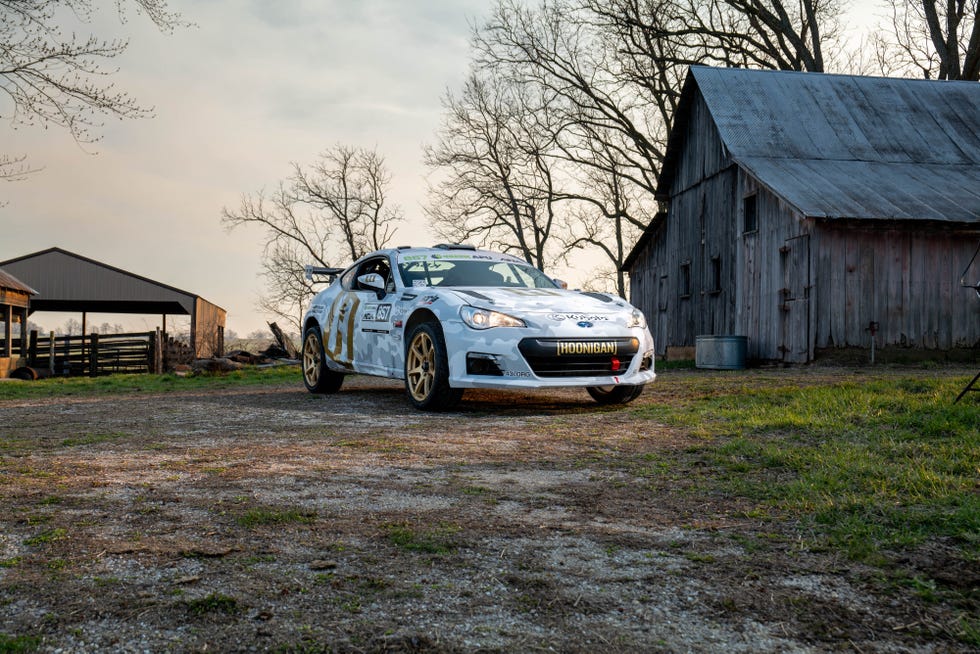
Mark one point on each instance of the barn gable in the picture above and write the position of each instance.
(844, 146)
(812, 212)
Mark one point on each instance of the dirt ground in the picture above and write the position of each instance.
(268, 519)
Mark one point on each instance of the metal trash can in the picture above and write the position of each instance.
(720, 352)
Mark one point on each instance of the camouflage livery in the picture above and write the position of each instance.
(495, 322)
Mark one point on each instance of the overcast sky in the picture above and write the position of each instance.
(251, 87)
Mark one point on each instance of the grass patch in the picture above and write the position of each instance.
(881, 465)
(213, 603)
(18, 644)
(146, 383)
(258, 517)
(436, 541)
(48, 536)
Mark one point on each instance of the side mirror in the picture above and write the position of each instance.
(561, 283)
(372, 281)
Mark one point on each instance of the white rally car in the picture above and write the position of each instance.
(452, 317)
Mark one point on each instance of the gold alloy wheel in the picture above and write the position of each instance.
(311, 360)
(420, 366)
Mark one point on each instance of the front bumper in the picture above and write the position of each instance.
(554, 360)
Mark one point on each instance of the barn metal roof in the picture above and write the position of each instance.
(66, 281)
(9, 282)
(845, 146)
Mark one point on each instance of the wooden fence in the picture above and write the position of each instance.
(103, 354)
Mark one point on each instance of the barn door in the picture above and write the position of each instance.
(795, 299)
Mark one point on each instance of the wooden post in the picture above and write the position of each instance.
(7, 350)
(93, 356)
(158, 352)
(32, 349)
(51, 352)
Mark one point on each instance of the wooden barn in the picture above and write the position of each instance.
(66, 281)
(15, 301)
(812, 213)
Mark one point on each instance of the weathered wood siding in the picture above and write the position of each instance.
(800, 279)
(772, 277)
(704, 154)
(904, 278)
(673, 280)
(208, 329)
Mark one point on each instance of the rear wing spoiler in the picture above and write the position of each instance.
(319, 271)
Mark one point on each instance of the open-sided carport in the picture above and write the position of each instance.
(68, 282)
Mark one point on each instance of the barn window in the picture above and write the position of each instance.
(662, 293)
(686, 279)
(750, 214)
(715, 275)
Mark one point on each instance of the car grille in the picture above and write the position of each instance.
(578, 357)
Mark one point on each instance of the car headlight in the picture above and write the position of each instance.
(485, 319)
(637, 319)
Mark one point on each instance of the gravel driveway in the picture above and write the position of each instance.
(267, 519)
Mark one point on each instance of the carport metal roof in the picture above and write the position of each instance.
(65, 281)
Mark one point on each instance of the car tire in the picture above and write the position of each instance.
(615, 394)
(317, 377)
(427, 369)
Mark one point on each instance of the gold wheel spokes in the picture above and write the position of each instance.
(311, 361)
(420, 367)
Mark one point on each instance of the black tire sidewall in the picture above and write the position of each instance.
(618, 394)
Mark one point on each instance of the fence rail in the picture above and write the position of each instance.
(102, 354)
(94, 354)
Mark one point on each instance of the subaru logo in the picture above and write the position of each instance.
(584, 323)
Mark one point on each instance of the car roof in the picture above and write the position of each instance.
(451, 251)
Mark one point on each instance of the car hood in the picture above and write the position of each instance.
(565, 305)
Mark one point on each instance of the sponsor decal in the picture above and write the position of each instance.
(376, 313)
(375, 331)
(585, 347)
(428, 299)
(577, 317)
(419, 283)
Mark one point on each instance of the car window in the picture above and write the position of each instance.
(472, 273)
(377, 265)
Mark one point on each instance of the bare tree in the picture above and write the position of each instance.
(51, 77)
(930, 39)
(497, 185)
(334, 211)
(610, 74)
(610, 214)
(557, 50)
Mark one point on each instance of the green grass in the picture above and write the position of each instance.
(872, 467)
(45, 537)
(18, 644)
(168, 383)
(434, 541)
(213, 603)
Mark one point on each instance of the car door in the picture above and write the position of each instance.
(374, 349)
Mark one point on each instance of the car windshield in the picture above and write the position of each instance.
(470, 272)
